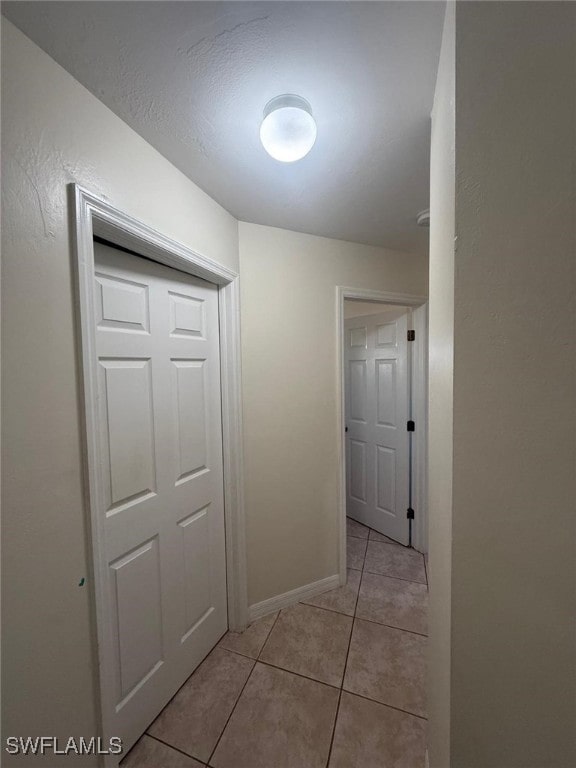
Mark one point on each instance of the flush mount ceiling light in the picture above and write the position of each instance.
(288, 130)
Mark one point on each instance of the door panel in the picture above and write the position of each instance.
(358, 390)
(377, 409)
(128, 437)
(385, 479)
(157, 342)
(195, 541)
(358, 470)
(136, 585)
(386, 335)
(190, 403)
(386, 394)
(186, 316)
(358, 337)
(121, 305)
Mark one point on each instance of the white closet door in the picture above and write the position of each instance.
(157, 343)
(377, 412)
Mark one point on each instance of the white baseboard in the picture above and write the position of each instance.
(273, 604)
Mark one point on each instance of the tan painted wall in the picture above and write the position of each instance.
(514, 493)
(440, 382)
(54, 132)
(511, 594)
(290, 411)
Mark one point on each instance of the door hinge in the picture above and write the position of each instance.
(411, 335)
(410, 426)
(410, 513)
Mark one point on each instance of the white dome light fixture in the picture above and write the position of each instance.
(288, 130)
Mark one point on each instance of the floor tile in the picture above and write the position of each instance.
(387, 665)
(341, 599)
(194, 719)
(149, 753)
(354, 528)
(281, 721)
(375, 536)
(398, 603)
(370, 735)
(355, 551)
(250, 642)
(392, 560)
(310, 641)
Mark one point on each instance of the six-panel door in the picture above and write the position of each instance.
(377, 409)
(157, 343)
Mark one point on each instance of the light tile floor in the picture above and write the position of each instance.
(334, 682)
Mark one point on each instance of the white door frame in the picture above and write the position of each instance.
(420, 393)
(95, 216)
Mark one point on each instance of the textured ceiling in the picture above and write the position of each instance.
(192, 78)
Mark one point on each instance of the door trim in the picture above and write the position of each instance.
(93, 215)
(363, 294)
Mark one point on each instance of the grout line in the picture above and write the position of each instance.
(387, 541)
(351, 536)
(299, 674)
(166, 744)
(268, 635)
(391, 626)
(210, 652)
(343, 676)
(334, 727)
(231, 713)
(242, 655)
(366, 527)
(365, 553)
(333, 610)
(394, 578)
(390, 706)
(330, 610)
(357, 598)
(348, 567)
(350, 638)
(347, 653)
(244, 686)
(412, 581)
(392, 543)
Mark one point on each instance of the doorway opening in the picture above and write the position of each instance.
(382, 345)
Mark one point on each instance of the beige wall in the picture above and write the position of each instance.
(290, 405)
(54, 132)
(440, 379)
(512, 590)
(514, 493)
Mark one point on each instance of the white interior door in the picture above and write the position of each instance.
(161, 477)
(377, 411)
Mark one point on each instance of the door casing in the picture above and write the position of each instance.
(94, 216)
(420, 397)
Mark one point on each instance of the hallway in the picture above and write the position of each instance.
(335, 682)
